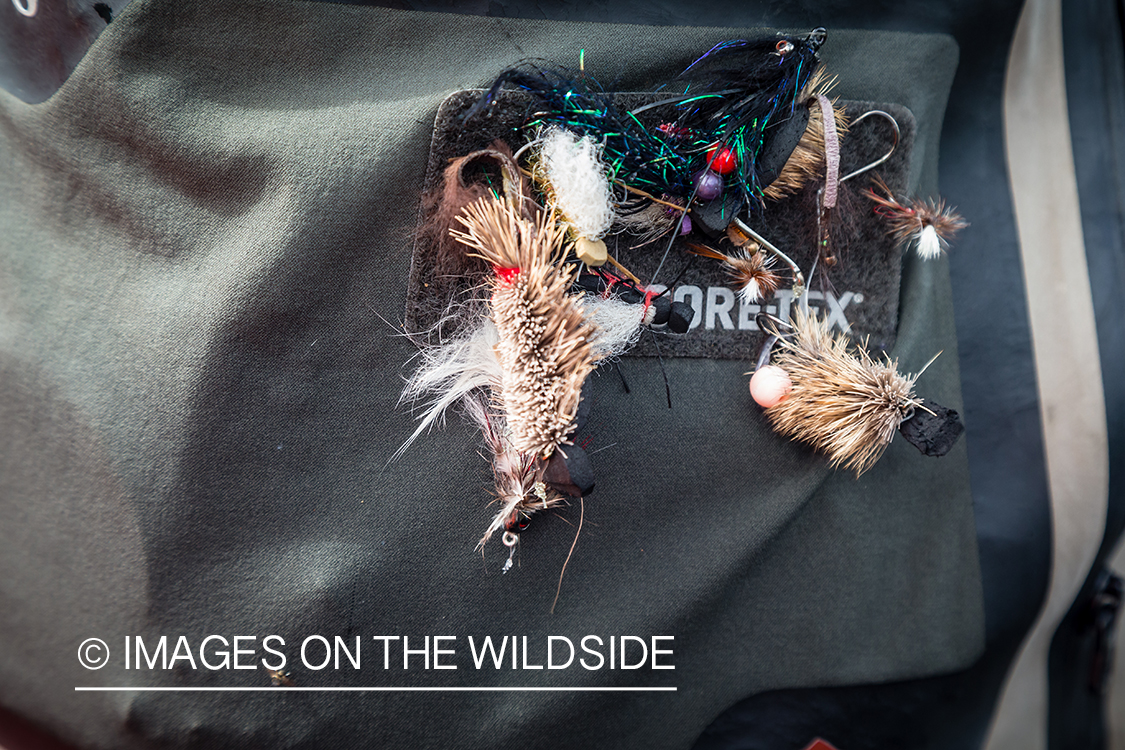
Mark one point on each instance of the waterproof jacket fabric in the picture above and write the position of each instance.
(207, 238)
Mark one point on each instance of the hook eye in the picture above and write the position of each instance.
(884, 157)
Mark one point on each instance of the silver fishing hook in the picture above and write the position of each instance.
(771, 325)
(798, 277)
(884, 157)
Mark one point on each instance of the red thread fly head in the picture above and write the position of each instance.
(507, 275)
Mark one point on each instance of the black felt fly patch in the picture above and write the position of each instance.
(858, 295)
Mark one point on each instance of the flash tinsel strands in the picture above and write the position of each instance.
(544, 343)
(733, 96)
(846, 405)
(738, 90)
(576, 103)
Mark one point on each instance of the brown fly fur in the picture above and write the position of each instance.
(544, 338)
(520, 489)
(442, 207)
(906, 222)
(748, 267)
(807, 160)
(846, 405)
(646, 220)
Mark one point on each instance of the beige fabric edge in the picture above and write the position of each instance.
(1064, 338)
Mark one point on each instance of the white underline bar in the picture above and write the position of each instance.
(281, 689)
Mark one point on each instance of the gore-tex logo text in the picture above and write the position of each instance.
(718, 307)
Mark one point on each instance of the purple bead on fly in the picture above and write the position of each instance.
(708, 185)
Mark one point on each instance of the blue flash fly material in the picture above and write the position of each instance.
(733, 95)
(640, 157)
(751, 86)
(736, 94)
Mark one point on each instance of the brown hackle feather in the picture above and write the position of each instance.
(806, 163)
(845, 405)
(944, 219)
(442, 207)
(520, 488)
(518, 477)
(906, 222)
(750, 269)
(544, 346)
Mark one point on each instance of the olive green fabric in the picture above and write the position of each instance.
(204, 242)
